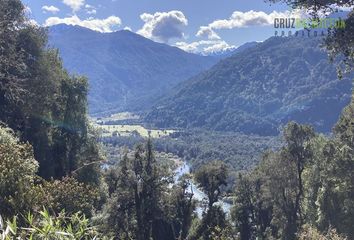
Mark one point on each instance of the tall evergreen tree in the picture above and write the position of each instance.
(211, 178)
(41, 101)
(136, 207)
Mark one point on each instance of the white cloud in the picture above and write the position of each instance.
(50, 9)
(189, 47)
(237, 20)
(207, 32)
(75, 5)
(218, 47)
(245, 19)
(100, 25)
(251, 18)
(205, 47)
(163, 26)
(91, 10)
(127, 28)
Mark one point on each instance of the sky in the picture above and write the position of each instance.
(199, 26)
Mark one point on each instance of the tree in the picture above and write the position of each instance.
(252, 212)
(344, 129)
(211, 178)
(42, 102)
(279, 189)
(330, 178)
(21, 190)
(180, 208)
(286, 177)
(310, 233)
(269, 200)
(313, 178)
(337, 188)
(298, 150)
(135, 208)
(12, 67)
(17, 174)
(120, 212)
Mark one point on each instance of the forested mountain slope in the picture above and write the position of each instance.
(258, 90)
(126, 70)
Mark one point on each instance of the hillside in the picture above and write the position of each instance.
(126, 71)
(259, 89)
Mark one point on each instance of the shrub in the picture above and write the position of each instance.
(17, 173)
(47, 227)
(67, 194)
(310, 233)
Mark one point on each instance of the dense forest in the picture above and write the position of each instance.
(239, 152)
(54, 183)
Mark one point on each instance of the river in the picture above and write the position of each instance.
(198, 194)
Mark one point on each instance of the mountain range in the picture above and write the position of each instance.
(258, 90)
(253, 89)
(125, 70)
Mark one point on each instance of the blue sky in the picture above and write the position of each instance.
(194, 25)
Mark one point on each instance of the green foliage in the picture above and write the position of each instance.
(252, 212)
(315, 7)
(211, 178)
(13, 69)
(21, 190)
(303, 190)
(344, 129)
(212, 225)
(47, 108)
(308, 181)
(17, 173)
(67, 194)
(41, 101)
(339, 44)
(222, 233)
(180, 207)
(310, 233)
(269, 200)
(329, 179)
(48, 227)
(138, 189)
